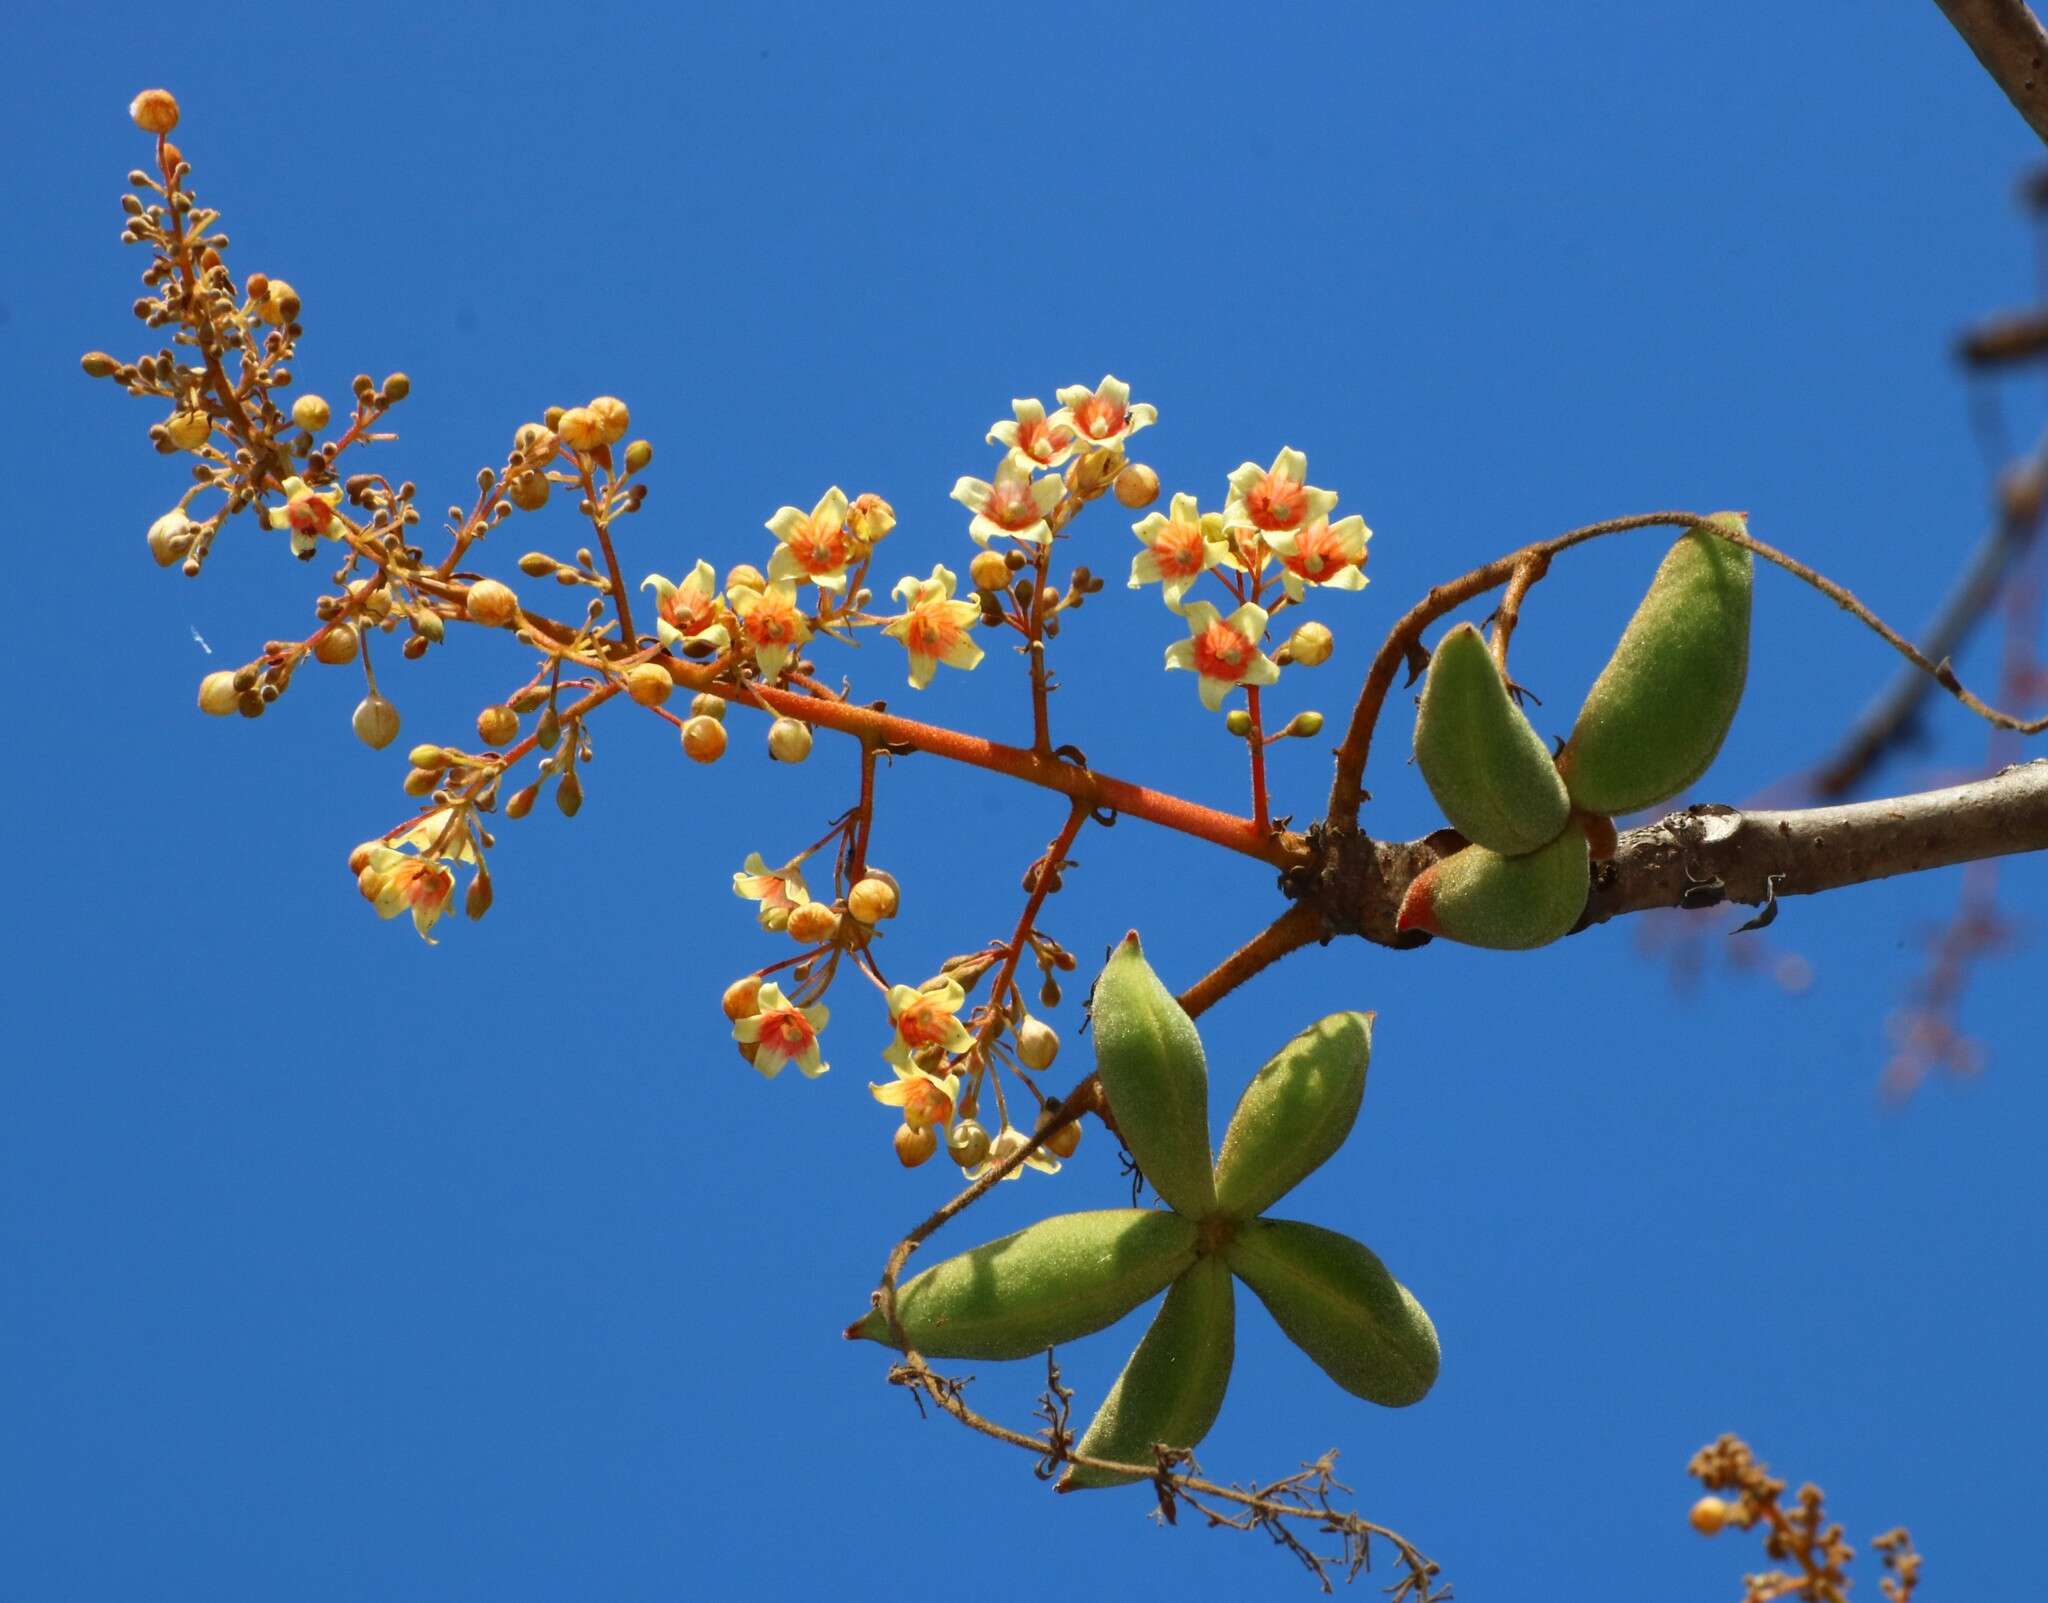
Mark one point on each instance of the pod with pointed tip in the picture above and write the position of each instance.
(1486, 766)
(1172, 1389)
(1057, 1281)
(1337, 1303)
(1662, 706)
(1507, 903)
(1150, 1062)
(1295, 1113)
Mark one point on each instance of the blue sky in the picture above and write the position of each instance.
(338, 1267)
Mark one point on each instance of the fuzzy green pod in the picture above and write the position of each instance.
(1486, 766)
(1336, 1301)
(1150, 1062)
(1295, 1113)
(1662, 706)
(1057, 1281)
(1508, 903)
(1172, 1389)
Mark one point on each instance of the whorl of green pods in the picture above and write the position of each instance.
(1488, 769)
(1662, 706)
(1070, 1276)
(1508, 903)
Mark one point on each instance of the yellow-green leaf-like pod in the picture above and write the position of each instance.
(1057, 1281)
(1172, 1389)
(1295, 1113)
(1486, 766)
(1150, 1062)
(1337, 1303)
(1508, 903)
(1662, 706)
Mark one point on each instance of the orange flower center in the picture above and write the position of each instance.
(689, 609)
(1099, 418)
(1039, 440)
(1276, 502)
(1178, 551)
(309, 513)
(772, 624)
(924, 1023)
(423, 885)
(788, 1031)
(1317, 551)
(928, 632)
(924, 1103)
(819, 548)
(1011, 505)
(1222, 653)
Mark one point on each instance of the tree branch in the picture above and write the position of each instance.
(2007, 38)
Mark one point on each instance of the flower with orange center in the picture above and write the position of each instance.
(690, 610)
(1324, 553)
(772, 624)
(1224, 651)
(926, 1018)
(1040, 441)
(1104, 415)
(310, 515)
(815, 545)
(778, 890)
(1015, 504)
(783, 1033)
(420, 885)
(1276, 499)
(925, 1098)
(1180, 546)
(934, 628)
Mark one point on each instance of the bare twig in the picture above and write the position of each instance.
(2007, 38)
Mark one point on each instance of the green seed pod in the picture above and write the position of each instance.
(1295, 1113)
(1057, 1281)
(1507, 903)
(1337, 1303)
(1662, 706)
(1151, 1064)
(1489, 770)
(1172, 1389)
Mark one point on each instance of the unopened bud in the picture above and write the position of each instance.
(421, 782)
(612, 418)
(1303, 725)
(638, 455)
(431, 758)
(1137, 486)
(745, 576)
(569, 794)
(217, 693)
(396, 387)
(280, 303)
(967, 1143)
(1238, 722)
(704, 740)
(579, 429)
(375, 722)
(706, 705)
(188, 430)
(989, 571)
(98, 364)
(649, 684)
(536, 443)
(741, 996)
(338, 644)
(1311, 645)
(497, 726)
(479, 898)
(491, 604)
(870, 518)
(155, 111)
(1038, 1043)
(812, 923)
(522, 801)
(789, 741)
(312, 413)
(872, 900)
(170, 537)
(915, 1146)
(1708, 1515)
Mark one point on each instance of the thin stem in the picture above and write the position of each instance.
(1256, 741)
(1041, 888)
(1525, 577)
(1299, 926)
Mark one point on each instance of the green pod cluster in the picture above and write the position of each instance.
(1336, 1301)
(1294, 1115)
(1150, 1062)
(1057, 1281)
(1663, 704)
(1488, 769)
(1507, 903)
(1172, 1389)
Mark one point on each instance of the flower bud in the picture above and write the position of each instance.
(789, 741)
(741, 996)
(1038, 1043)
(155, 111)
(529, 491)
(372, 599)
(338, 644)
(536, 443)
(421, 782)
(359, 859)
(872, 900)
(396, 387)
(477, 901)
(649, 684)
(1238, 722)
(522, 801)
(312, 413)
(579, 429)
(1137, 486)
(706, 705)
(497, 726)
(369, 883)
(98, 364)
(1708, 1515)
(870, 518)
(217, 693)
(915, 1146)
(812, 923)
(704, 740)
(431, 758)
(188, 430)
(280, 303)
(491, 604)
(1305, 725)
(989, 571)
(569, 794)
(1094, 472)
(745, 576)
(967, 1143)
(612, 419)
(375, 722)
(170, 537)
(1311, 645)
(1063, 1141)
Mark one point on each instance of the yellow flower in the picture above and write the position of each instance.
(772, 624)
(1277, 499)
(1224, 651)
(925, 1098)
(310, 515)
(1014, 505)
(815, 547)
(1033, 438)
(934, 628)
(1104, 415)
(926, 1018)
(689, 611)
(1324, 553)
(1180, 547)
(780, 891)
(782, 1033)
